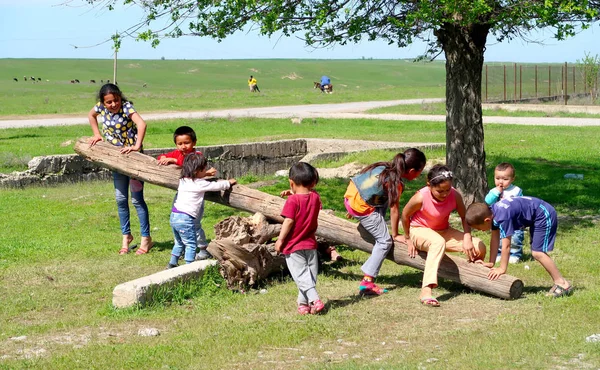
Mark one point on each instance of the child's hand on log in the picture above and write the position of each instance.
(495, 273)
(412, 251)
(486, 264)
(400, 238)
(211, 172)
(165, 161)
(232, 181)
(285, 193)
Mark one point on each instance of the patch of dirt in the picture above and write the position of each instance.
(347, 170)
(193, 70)
(292, 76)
(133, 65)
(254, 70)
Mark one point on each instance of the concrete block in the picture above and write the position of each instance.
(140, 291)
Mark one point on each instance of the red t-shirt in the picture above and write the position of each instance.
(304, 210)
(177, 154)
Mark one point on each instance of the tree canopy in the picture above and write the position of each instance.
(458, 28)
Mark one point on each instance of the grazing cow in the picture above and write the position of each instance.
(145, 85)
(101, 81)
(24, 78)
(15, 79)
(72, 81)
(76, 80)
(39, 79)
(328, 89)
(93, 81)
(32, 78)
(107, 81)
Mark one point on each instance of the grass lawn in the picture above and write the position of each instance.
(188, 85)
(59, 264)
(440, 109)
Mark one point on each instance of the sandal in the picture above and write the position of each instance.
(124, 251)
(126, 248)
(557, 291)
(144, 251)
(430, 302)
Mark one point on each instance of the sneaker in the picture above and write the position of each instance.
(514, 259)
(170, 266)
(316, 307)
(303, 309)
(370, 288)
(202, 255)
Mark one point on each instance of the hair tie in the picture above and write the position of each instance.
(443, 174)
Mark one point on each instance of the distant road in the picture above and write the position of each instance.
(341, 110)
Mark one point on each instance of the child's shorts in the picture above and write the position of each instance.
(543, 231)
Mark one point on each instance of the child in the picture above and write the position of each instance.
(190, 195)
(426, 228)
(122, 126)
(185, 141)
(297, 236)
(378, 186)
(504, 175)
(508, 215)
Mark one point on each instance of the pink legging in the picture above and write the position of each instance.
(436, 243)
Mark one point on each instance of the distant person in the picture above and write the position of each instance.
(190, 196)
(369, 195)
(185, 141)
(122, 126)
(504, 176)
(508, 215)
(252, 84)
(425, 220)
(325, 82)
(297, 241)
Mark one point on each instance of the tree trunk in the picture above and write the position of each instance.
(464, 47)
(335, 229)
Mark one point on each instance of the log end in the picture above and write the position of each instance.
(516, 289)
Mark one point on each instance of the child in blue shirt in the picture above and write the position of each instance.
(508, 215)
(504, 175)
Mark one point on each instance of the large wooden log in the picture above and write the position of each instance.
(145, 168)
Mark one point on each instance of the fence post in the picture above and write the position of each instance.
(566, 82)
(573, 75)
(536, 93)
(549, 79)
(515, 83)
(520, 81)
(504, 65)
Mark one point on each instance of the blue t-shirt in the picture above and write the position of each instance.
(325, 80)
(512, 214)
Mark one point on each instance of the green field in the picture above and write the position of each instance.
(200, 84)
(58, 245)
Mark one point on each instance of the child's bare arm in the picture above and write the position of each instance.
(211, 171)
(495, 273)
(414, 204)
(286, 227)
(285, 193)
(93, 119)
(469, 249)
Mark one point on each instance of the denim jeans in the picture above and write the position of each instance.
(200, 235)
(122, 184)
(516, 244)
(184, 230)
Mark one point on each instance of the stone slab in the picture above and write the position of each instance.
(140, 291)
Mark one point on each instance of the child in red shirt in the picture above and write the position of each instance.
(185, 141)
(297, 236)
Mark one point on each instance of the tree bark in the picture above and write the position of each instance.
(335, 229)
(464, 47)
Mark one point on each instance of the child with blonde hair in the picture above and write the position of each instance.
(504, 176)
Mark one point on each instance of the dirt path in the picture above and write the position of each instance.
(353, 110)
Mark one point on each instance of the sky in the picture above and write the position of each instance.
(51, 29)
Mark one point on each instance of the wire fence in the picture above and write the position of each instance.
(529, 82)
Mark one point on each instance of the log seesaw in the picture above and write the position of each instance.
(331, 228)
